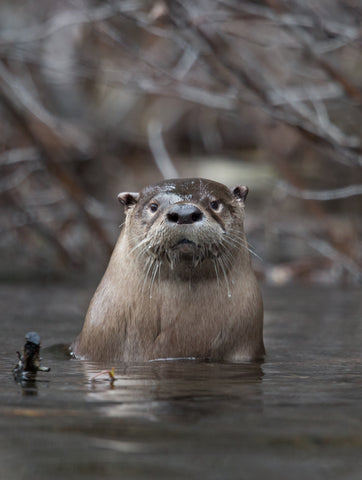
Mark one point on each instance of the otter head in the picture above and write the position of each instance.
(186, 226)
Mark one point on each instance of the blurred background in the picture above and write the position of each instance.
(98, 97)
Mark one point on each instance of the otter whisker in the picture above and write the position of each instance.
(225, 244)
(196, 259)
(216, 270)
(220, 261)
(255, 254)
(169, 257)
(236, 241)
(244, 244)
(229, 259)
(159, 272)
(150, 262)
(233, 241)
(140, 244)
(153, 276)
(142, 253)
(247, 245)
(146, 265)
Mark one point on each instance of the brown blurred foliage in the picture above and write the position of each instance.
(97, 97)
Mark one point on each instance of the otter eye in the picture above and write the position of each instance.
(215, 205)
(153, 207)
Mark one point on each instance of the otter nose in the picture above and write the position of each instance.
(184, 213)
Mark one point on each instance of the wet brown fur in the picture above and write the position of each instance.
(141, 312)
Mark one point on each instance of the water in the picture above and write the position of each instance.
(298, 415)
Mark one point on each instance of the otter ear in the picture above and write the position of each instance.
(240, 193)
(127, 199)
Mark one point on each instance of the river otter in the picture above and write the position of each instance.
(179, 282)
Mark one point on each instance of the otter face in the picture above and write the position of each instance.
(186, 223)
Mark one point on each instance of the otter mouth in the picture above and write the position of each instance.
(185, 241)
(185, 246)
(189, 254)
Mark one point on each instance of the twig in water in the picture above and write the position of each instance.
(110, 373)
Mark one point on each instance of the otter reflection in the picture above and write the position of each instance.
(177, 391)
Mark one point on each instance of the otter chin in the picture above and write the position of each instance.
(179, 282)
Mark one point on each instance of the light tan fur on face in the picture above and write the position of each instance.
(158, 300)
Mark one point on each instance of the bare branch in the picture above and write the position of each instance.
(303, 93)
(51, 145)
(69, 19)
(158, 149)
(225, 100)
(324, 195)
(326, 249)
(343, 30)
(185, 63)
(14, 180)
(67, 257)
(18, 155)
(307, 42)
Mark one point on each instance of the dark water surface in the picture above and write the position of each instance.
(296, 416)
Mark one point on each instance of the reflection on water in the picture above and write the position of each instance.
(295, 416)
(179, 391)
